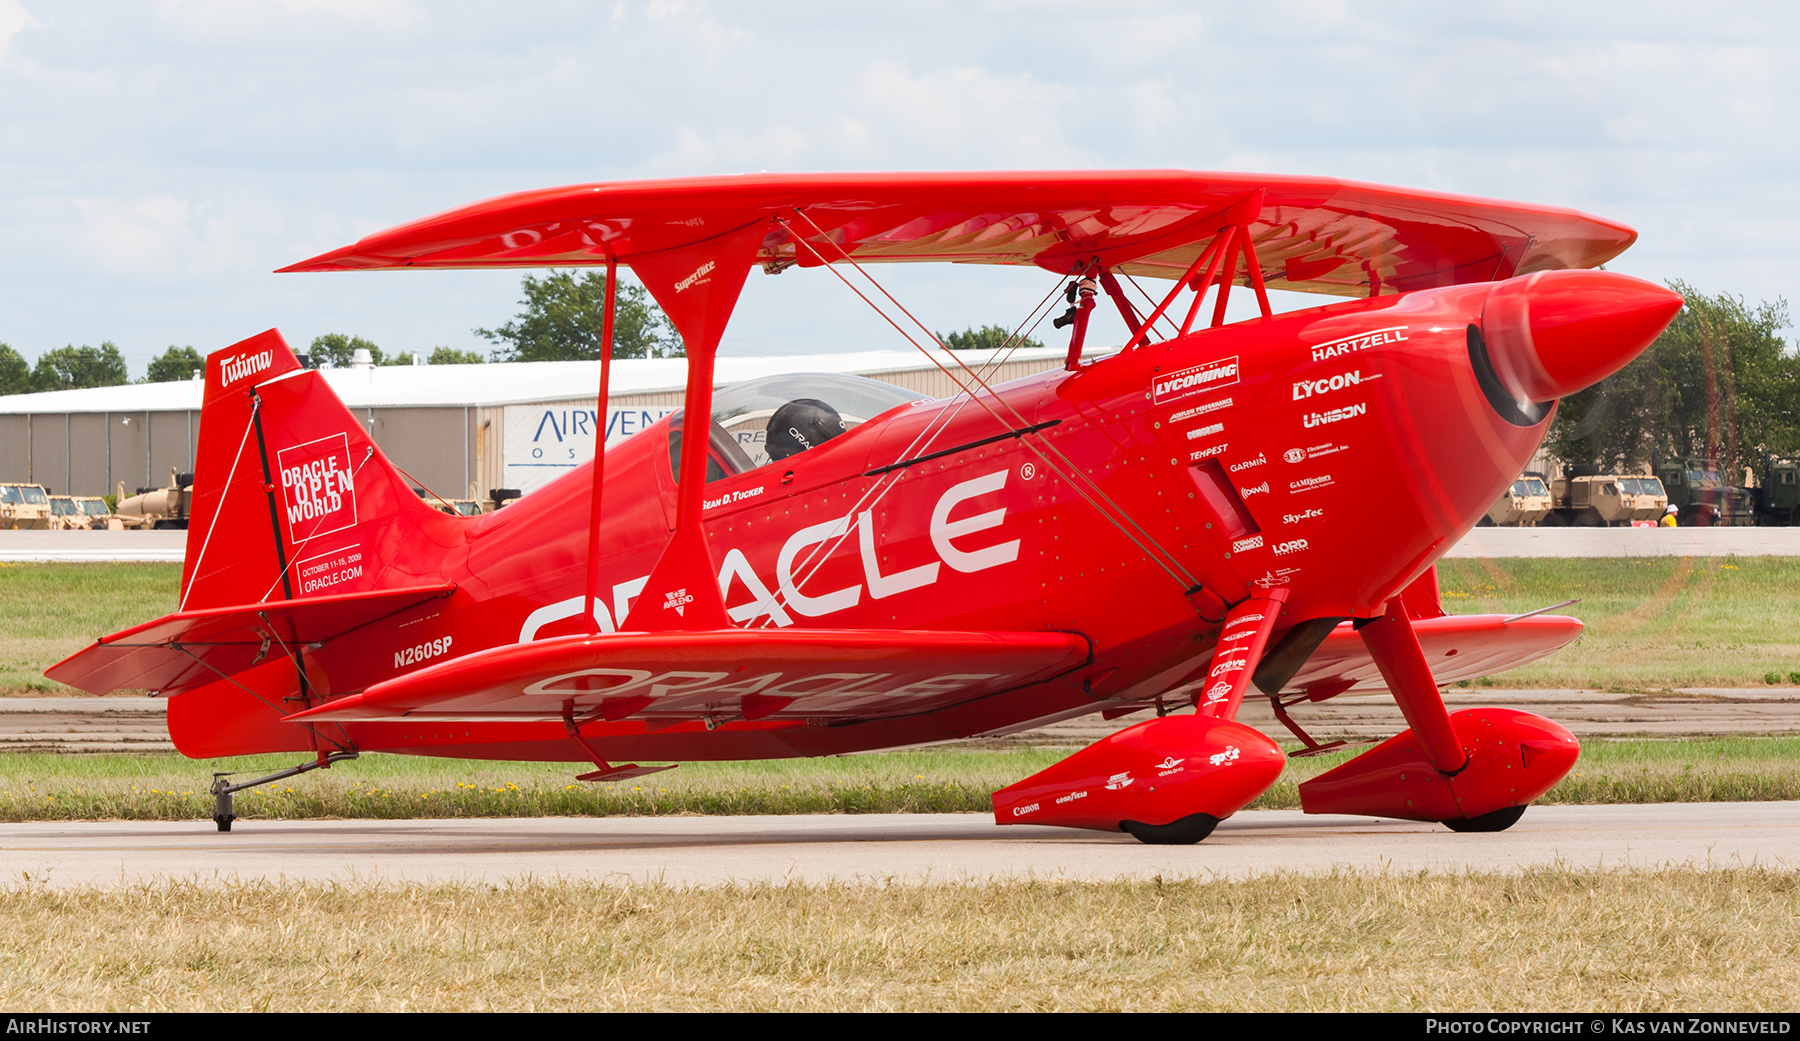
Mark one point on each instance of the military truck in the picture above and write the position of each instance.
(1585, 498)
(1525, 503)
(24, 506)
(1701, 496)
(1778, 497)
(82, 513)
(159, 507)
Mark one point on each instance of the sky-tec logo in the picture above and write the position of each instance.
(235, 369)
(1360, 342)
(1319, 419)
(1307, 388)
(1187, 382)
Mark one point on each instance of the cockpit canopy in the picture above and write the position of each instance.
(775, 417)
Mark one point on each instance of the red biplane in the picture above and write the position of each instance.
(1166, 526)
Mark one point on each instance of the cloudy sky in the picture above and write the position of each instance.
(158, 159)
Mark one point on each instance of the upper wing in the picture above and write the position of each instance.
(811, 674)
(1318, 235)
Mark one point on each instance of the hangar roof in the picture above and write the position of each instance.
(506, 383)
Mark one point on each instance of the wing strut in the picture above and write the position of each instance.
(1241, 642)
(600, 428)
(1233, 238)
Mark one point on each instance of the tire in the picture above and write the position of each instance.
(1184, 832)
(1589, 518)
(1499, 820)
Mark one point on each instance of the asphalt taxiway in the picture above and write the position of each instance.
(906, 848)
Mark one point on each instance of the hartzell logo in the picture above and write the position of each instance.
(244, 365)
(1360, 342)
(1178, 385)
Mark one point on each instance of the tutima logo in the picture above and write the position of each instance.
(243, 365)
(1307, 388)
(699, 275)
(1248, 463)
(1200, 410)
(1206, 431)
(1260, 489)
(1187, 382)
(1253, 542)
(319, 487)
(1282, 549)
(1360, 342)
(1319, 419)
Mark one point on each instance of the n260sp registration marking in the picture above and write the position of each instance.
(422, 652)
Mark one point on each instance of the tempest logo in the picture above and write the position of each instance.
(1307, 388)
(236, 369)
(1187, 382)
(1208, 453)
(320, 489)
(1319, 419)
(1359, 342)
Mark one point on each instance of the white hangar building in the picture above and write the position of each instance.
(510, 425)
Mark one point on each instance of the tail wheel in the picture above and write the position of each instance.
(1184, 832)
(1499, 820)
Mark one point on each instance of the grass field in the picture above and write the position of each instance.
(168, 787)
(1652, 622)
(1682, 940)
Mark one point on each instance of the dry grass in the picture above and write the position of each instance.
(1684, 939)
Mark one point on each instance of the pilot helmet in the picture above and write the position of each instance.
(801, 424)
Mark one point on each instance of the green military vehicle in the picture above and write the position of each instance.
(1778, 497)
(1701, 496)
(1524, 504)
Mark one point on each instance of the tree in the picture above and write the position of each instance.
(985, 338)
(339, 348)
(176, 363)
(1719, 383)
(452, 356)
(75, 368)
(15, 374)
(562, 322)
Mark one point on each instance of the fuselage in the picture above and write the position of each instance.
(1337, 451)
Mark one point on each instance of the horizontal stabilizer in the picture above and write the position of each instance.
(1458, 647)
(190, 649)
(815, 674)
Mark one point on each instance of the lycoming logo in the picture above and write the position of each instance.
(1359, 342)
(1177, 385)
(1291, 546)
(1307, 388)
(236, 369)
(1319, 419)
(1253, 542)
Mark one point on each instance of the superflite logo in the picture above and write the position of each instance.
(1360, 342)
(1187, 382)
(244, 365)
(699, 275)
(318, 486)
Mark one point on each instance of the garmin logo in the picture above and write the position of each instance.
(1177, 385)
(1360, 342)
(238, 368)
(1248, 463)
